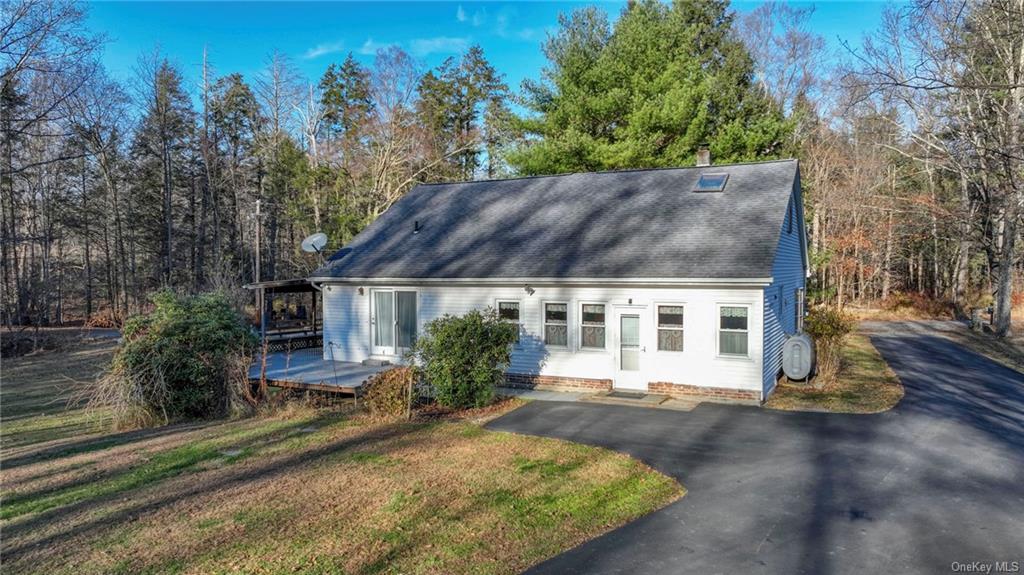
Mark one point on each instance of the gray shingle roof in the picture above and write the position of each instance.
(622, 224)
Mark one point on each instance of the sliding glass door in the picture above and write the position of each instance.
(392, 321)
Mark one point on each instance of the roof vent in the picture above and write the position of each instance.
(703, 156)
(711, 183)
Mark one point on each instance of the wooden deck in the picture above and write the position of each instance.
(308, 370)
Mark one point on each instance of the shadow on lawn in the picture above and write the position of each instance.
(244, 474)
(161, 464)
(95, 442)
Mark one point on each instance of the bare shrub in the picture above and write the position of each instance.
(106, 317)
(389, 393)
(829, 328)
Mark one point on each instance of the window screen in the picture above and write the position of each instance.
(509, 311)
(556, 324)
(592, 326)
(732, 331)
(670, 328)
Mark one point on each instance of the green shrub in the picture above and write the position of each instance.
(188, 358)
(463, 358)
(829, 328)
(388, 393)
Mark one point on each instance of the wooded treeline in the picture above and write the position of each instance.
(910, 145)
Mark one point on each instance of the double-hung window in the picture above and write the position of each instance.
(733, 330)
(670, 328)
(509, 311)
(556, 324)
(592, 320)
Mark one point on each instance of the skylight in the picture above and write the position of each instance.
(711, 183)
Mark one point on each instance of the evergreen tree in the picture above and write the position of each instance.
(346, 98)
(647, 93)
(460, 107)
(161, 150)
(236, 116)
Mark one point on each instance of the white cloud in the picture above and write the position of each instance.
(323, 50)
(438, 45)
(478, 17)
(419, 47)
(504, 26)
(501, 24)
(370, 47)
(528, 33)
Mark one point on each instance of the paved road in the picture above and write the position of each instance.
(938, 479)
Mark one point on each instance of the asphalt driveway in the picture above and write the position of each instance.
(939, 480)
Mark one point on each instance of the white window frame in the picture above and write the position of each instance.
(518, 324)
(568, 324)
(579, 341)
(657, 327)
(719, 330)
(398, 351)
(711, 189)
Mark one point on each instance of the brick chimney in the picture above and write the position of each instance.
(703, 155)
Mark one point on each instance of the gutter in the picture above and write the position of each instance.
(581, 281)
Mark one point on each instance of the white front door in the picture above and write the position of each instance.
(629, 349)
(392, 321)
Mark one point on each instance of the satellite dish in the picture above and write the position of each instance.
(314, 243)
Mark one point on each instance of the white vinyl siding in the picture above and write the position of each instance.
(346, 325)
(780, 298)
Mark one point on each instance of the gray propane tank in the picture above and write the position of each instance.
(798, 356)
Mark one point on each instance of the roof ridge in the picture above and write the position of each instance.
(599, 172)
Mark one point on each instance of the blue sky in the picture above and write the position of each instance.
(239, 36)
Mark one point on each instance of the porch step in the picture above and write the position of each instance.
(376, 362)
(627, 398)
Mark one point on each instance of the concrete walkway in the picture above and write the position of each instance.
(934, 483)
(541, 395)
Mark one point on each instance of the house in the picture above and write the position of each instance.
(681, 281)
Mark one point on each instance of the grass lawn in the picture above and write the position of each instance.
(303, 491)
(865, 384)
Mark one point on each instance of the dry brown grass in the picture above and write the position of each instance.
(864, 384)
(37, 389)
(1006, 351)
(313, 491)
(902, 307)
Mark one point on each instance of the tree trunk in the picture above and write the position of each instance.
(887, 260)
(168, 217)
(86, 244)
(1004, 284)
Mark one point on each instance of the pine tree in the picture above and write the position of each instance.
(460, 106)
(647, 93)
(161, 150)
